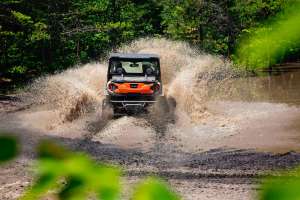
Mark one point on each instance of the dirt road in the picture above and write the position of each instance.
(228, 131)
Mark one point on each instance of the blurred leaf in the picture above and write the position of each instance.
(82, 175)
(74, 189)
(283, 187)
(48, 149)
(108, 181)
(153, 189)
(40, 187)
(267, 45)
(9, 148)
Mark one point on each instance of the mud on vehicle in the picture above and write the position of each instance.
(134, 85)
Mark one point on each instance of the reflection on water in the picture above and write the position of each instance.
(282, 86)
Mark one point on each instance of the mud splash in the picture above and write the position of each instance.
(69, 94)
(69, 103)
(186, 75)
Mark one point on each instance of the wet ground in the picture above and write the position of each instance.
(199, 166)
(222, 141)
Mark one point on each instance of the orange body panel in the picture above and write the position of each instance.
(142, 88)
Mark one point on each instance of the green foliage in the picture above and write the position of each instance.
(23, 19)
(39, 32)
(273, 42)
(75, 176)
(214, 25)
(152, 189)
(17, 70)
(251, 13)
(40, 36)
(46, 36)
(9, 148)
(81, 174)
(198, 22)
(282, 187)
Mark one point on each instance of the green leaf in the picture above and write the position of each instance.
(267, 45)
(40, 32)
(74, 189)
(22, 18)
(41, 186)
(17, 70)
(284, 187)
(48, 149)
(9, 148)
(153, 189)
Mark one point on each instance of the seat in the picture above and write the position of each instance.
(119, 69)
(147, 69)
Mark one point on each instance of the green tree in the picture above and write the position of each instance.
(272, 42)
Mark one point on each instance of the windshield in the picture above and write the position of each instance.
(144, 67)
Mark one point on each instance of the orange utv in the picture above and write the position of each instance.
(133, 83)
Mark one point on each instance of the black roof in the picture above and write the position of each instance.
(133, 55)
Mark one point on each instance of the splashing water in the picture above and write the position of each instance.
(71, 100)
(71, 92)
(205, 87)
(185, 73)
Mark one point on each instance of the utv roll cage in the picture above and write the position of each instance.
(132, 57)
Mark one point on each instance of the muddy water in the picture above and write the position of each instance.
(217, 106)
(284, 88)
(270, 109)
(272, 87)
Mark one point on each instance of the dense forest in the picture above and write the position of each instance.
(44, 36)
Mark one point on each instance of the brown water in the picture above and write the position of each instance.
(217, 106)
(281, 87)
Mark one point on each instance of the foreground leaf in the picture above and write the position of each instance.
(153, 189)
(8, 148)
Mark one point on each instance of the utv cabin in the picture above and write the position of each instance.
(116, 59)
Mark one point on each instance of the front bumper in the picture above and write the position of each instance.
(130, 103)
